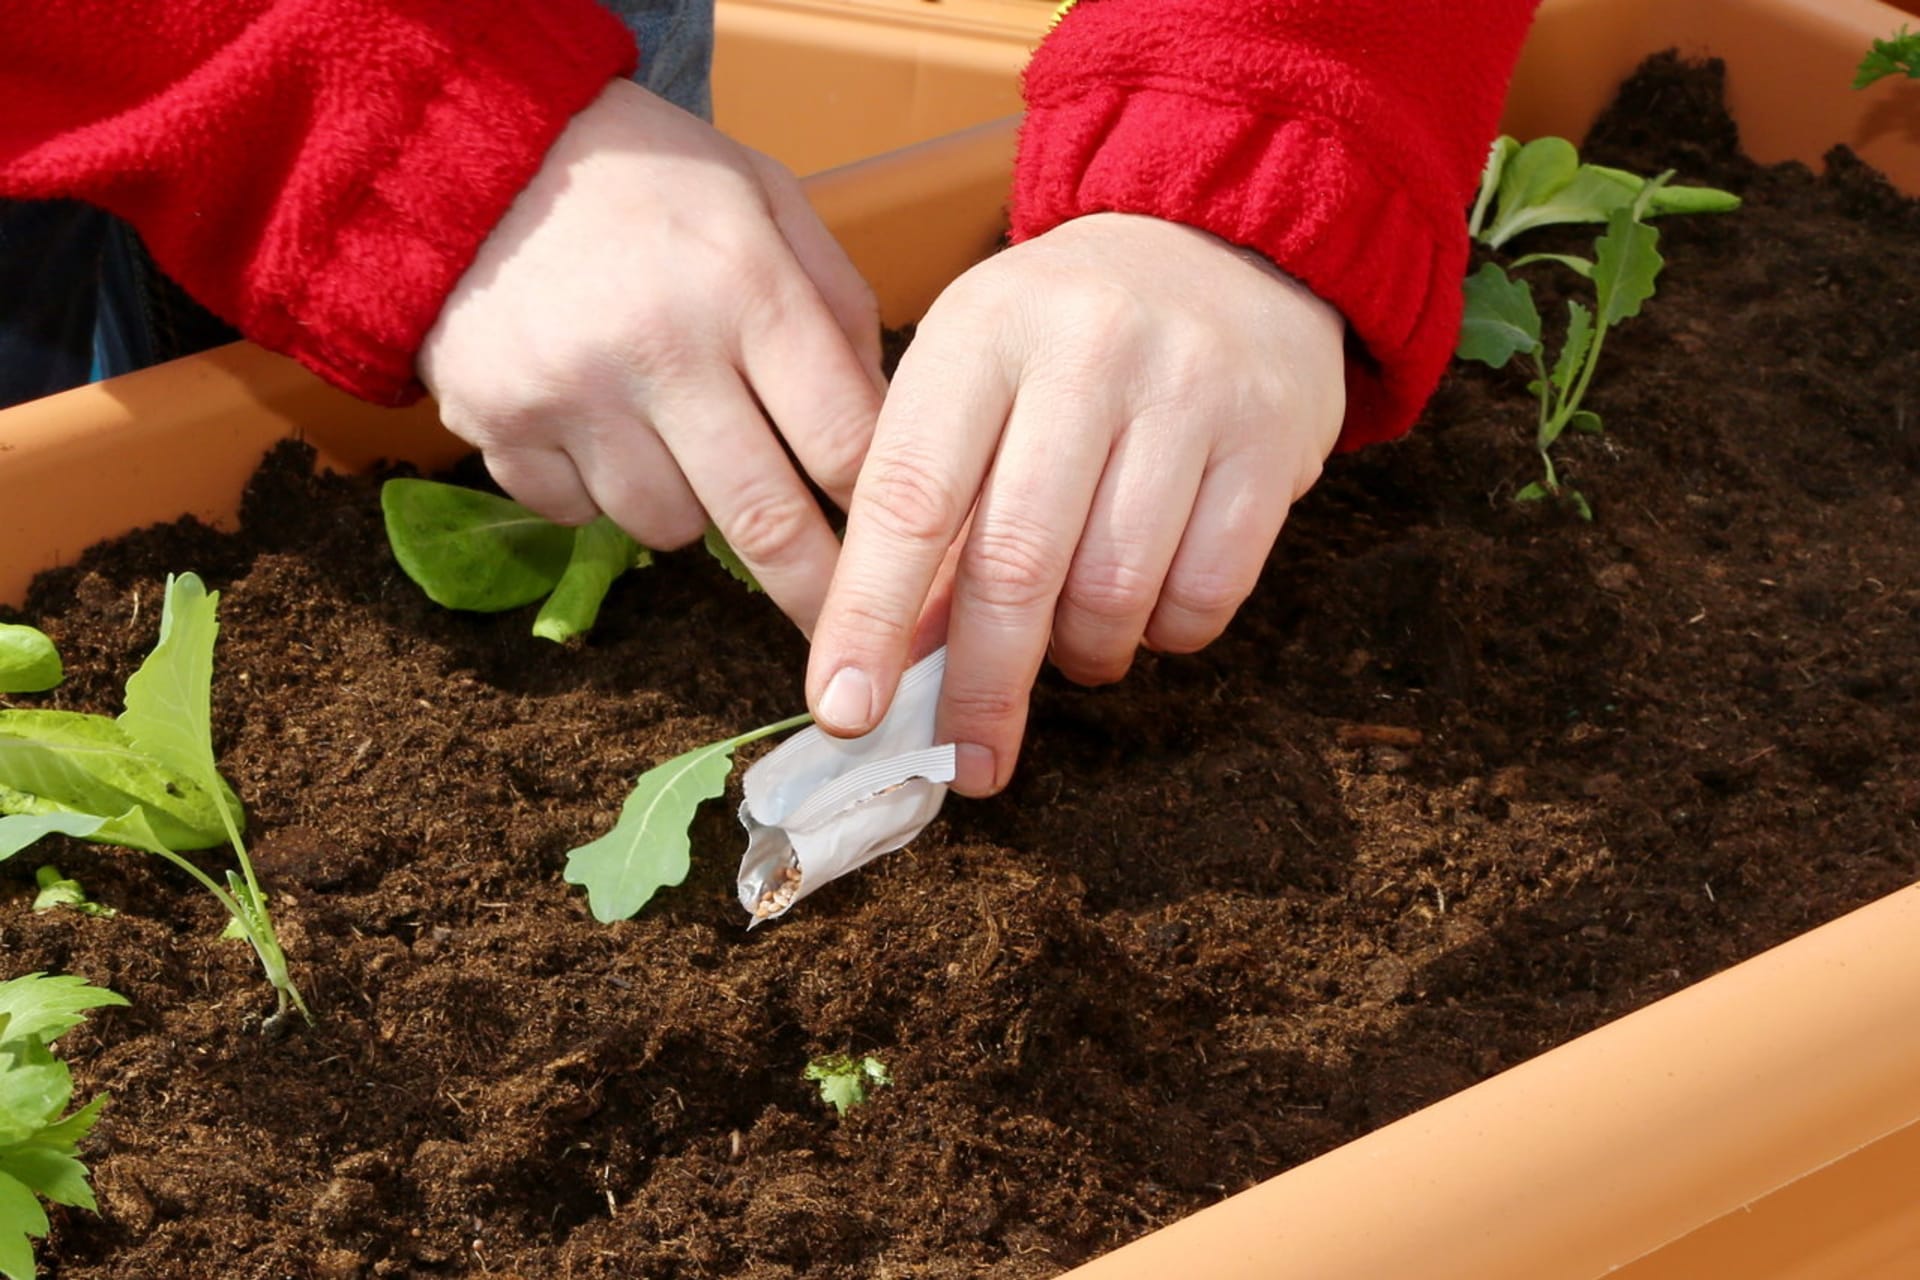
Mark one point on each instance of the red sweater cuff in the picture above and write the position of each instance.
(1282, 146)
(354, 293)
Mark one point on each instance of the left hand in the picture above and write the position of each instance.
(1091, 444)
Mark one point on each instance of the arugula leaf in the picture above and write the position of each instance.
(472, 550)
(648, 848)
(845, 1082)
(602, 551)
(29, 663)
(1573, 348)
(720, 549)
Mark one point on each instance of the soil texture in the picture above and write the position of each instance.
(1466, 779)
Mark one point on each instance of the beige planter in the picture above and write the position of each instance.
(819, 83)
(1762, 1125)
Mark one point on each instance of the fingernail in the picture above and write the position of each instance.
(847, 703)
(973, 769)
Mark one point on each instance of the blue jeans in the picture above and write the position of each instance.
(79, 294)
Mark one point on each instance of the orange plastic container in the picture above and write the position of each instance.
(1761, 1125)
(818, 83)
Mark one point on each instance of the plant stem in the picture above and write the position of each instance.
(255, 921)
(768, 730)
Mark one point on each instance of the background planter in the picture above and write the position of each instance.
(819, 83)
(1762, 1123)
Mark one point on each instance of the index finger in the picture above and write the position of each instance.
(935, 438)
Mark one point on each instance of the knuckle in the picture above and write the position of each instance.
(971, 704)
(1006, 565)
(908, 503)
(1093, 666)
(1110, 592)
(1199, 603)
(768, 526)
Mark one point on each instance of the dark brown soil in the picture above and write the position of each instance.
(1221, 923)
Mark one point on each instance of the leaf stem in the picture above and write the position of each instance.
(768, 730)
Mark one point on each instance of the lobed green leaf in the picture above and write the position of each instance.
(648, 848)
(1500, 319)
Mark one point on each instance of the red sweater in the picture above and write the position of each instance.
(321, 172)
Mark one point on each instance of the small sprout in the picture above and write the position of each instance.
(845, 1081)
(1897, 55)
(58, 892)
(28, 661)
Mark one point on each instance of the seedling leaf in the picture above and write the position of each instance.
(1500, 319)
(1572, 262)
(29, 663)
(648, 848)
(1899, 55)
(58, 892)
(601, 552)
(721, 550)
(1625, 262)
(64, 762)
(845, 1082)
(1498, 156)
(1574, 349)
(38, 1155)
(45, 1008)
(468, 549)
(1534, 492)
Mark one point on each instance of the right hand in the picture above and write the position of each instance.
(656, 313)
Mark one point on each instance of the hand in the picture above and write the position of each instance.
(1091, 443)
(652, 309)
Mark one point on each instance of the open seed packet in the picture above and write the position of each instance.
(817, 806)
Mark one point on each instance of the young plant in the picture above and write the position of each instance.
(846, 1081)
(58, 893)
(28, 661)
(1897, 55)
(39, 1138)
(648, 848)
(480, 552)
(148, 779)
(1545, 183)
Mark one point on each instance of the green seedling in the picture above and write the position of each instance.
(846, 1081)
(148, 779)
(58, 893)
(648, 848)
(39, 1138)
(1544, 183)
(477, 551)
(1895, 56)
(28, 661)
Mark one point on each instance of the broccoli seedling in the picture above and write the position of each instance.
(39, 1139)
(846, 1081)
(1897, 55)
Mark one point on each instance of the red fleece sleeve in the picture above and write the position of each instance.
(1342, 139)
(319, 173)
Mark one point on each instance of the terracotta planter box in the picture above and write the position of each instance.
(1763, 1123)
(819, 83)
